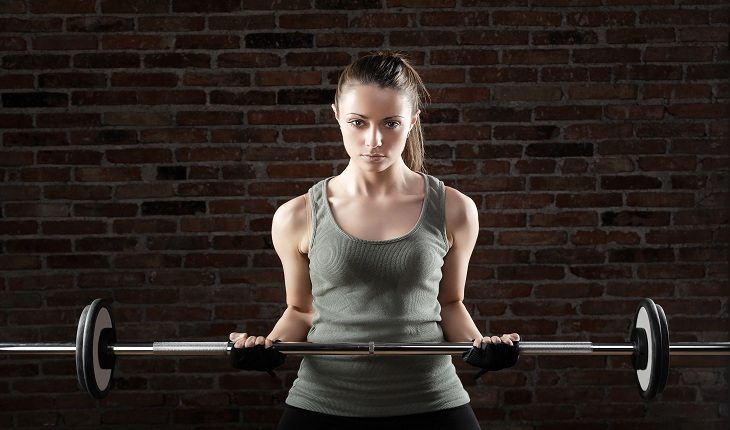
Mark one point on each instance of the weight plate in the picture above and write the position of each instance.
(663, 368)
(80, 376)
(98, 379)
(647, 318)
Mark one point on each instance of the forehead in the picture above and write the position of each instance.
(372, 98)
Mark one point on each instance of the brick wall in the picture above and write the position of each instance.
(146, 144)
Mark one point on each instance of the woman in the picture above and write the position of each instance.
(379, 252)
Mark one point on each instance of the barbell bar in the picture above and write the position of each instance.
(96, 348)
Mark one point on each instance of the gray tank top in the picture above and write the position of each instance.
(382, 291)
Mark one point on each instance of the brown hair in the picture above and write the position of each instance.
(388, 69)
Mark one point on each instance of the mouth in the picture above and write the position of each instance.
(373, 158)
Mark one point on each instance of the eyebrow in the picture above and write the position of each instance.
(359, 114)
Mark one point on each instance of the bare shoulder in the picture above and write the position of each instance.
(289, 225)
(459, 206)
(462, 216)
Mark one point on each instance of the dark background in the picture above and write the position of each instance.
(147, 143)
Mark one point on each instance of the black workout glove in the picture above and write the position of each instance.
(257, 357)
(491, 356)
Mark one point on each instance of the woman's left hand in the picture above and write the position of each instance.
(506, 339)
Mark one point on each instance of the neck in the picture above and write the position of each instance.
(362, 183)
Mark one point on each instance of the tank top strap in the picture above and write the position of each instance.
(435, 212)
(318, 210)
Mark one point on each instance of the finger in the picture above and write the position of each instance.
(496, 340)
(268, 343)
(515, 337)
(250, 341)
(235, 335)
(507, 339)
(260, 340)
(240, 342)
(476, 342)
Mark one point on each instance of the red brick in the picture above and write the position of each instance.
(535, 166)
(490, 37)
(674, 271)
(328, 40)
(674, 17)
(135, 6)
(73, 227)
(67, 43)
(527, 238)
(139, 156)
(77, 261)
(63, 6)
(536, 56)
(78, 192)
(524, 18)
(618, 91)
(20, 262)
(108, 174)
(37, 210)
(190, 97)
(202, 41)
(13, 6)
(564, 219)
(240, 60)
(126, 79)
(463, 57)
(14, 81)
(173, 135)
(531, 272)
(172, 23)
(571, 200)
(561, 183)
(519, 201)
(574, 74)
(601, 237)
(209, 118)
(526, 93)
(104, 136)
(67, 120)
(69, 157)
(649, 199)
(212, 79)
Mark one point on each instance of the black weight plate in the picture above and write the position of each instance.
(647, 318)
(98, 380)
(80, 348)
(663, 369)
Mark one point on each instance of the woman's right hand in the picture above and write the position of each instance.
(243, 340)
(254, 353)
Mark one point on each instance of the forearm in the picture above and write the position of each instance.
(293, 326)
(457, 324)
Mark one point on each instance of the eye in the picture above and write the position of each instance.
(392, 124)
(355, 122)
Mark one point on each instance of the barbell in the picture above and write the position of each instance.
(96, 348)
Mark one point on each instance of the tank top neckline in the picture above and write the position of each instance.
(331, 216)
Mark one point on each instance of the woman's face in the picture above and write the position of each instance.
(375, 123)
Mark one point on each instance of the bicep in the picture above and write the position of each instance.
(462, 221)
(287, 228)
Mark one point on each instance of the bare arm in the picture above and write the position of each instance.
(462, 225)
(288, 229)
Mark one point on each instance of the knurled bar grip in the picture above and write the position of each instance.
(202, 348)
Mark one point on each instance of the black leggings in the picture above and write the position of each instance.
(461, 418)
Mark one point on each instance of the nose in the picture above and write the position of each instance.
(374, 139)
